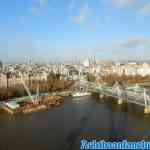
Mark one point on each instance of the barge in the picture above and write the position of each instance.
(25, 107)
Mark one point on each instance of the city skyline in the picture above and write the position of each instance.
(52, 29)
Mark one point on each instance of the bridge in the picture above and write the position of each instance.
(133, 94)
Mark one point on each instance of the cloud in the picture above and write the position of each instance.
(39, 6)
(124, 3)
(134, 43)
(83, 15)
(145, 10)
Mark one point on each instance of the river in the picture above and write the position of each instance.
(61, 128)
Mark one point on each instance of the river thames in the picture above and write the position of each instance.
(61, 128)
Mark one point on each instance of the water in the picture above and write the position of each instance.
(61, 128)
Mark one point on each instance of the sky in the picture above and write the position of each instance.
(67, 29)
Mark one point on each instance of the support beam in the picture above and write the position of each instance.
(27, 89)
(37, 94)
(145, 97)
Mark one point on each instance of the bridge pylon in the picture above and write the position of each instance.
(118, 89)
(147, 107)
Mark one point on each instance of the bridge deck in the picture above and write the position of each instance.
(125, 95)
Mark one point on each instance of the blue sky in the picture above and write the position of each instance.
(63, 29)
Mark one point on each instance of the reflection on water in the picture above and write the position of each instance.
(61, 128)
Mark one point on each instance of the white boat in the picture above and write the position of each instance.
(81, 94)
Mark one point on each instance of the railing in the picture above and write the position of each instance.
(140, 98)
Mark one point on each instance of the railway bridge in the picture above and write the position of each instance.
(131, 94)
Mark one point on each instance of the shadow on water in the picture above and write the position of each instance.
(117, 125)
(125, 121)
(117, 122)
(119, 117)
(75, 134)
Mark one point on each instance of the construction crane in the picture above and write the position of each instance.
(27, 89)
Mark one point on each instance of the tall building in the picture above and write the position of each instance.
(1, 65)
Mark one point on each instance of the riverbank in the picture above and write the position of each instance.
(52, 85)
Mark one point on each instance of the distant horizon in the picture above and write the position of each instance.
(72, 60)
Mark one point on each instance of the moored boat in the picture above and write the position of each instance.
(81, 94)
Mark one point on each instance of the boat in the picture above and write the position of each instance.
(81, 94)
(80, 90)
